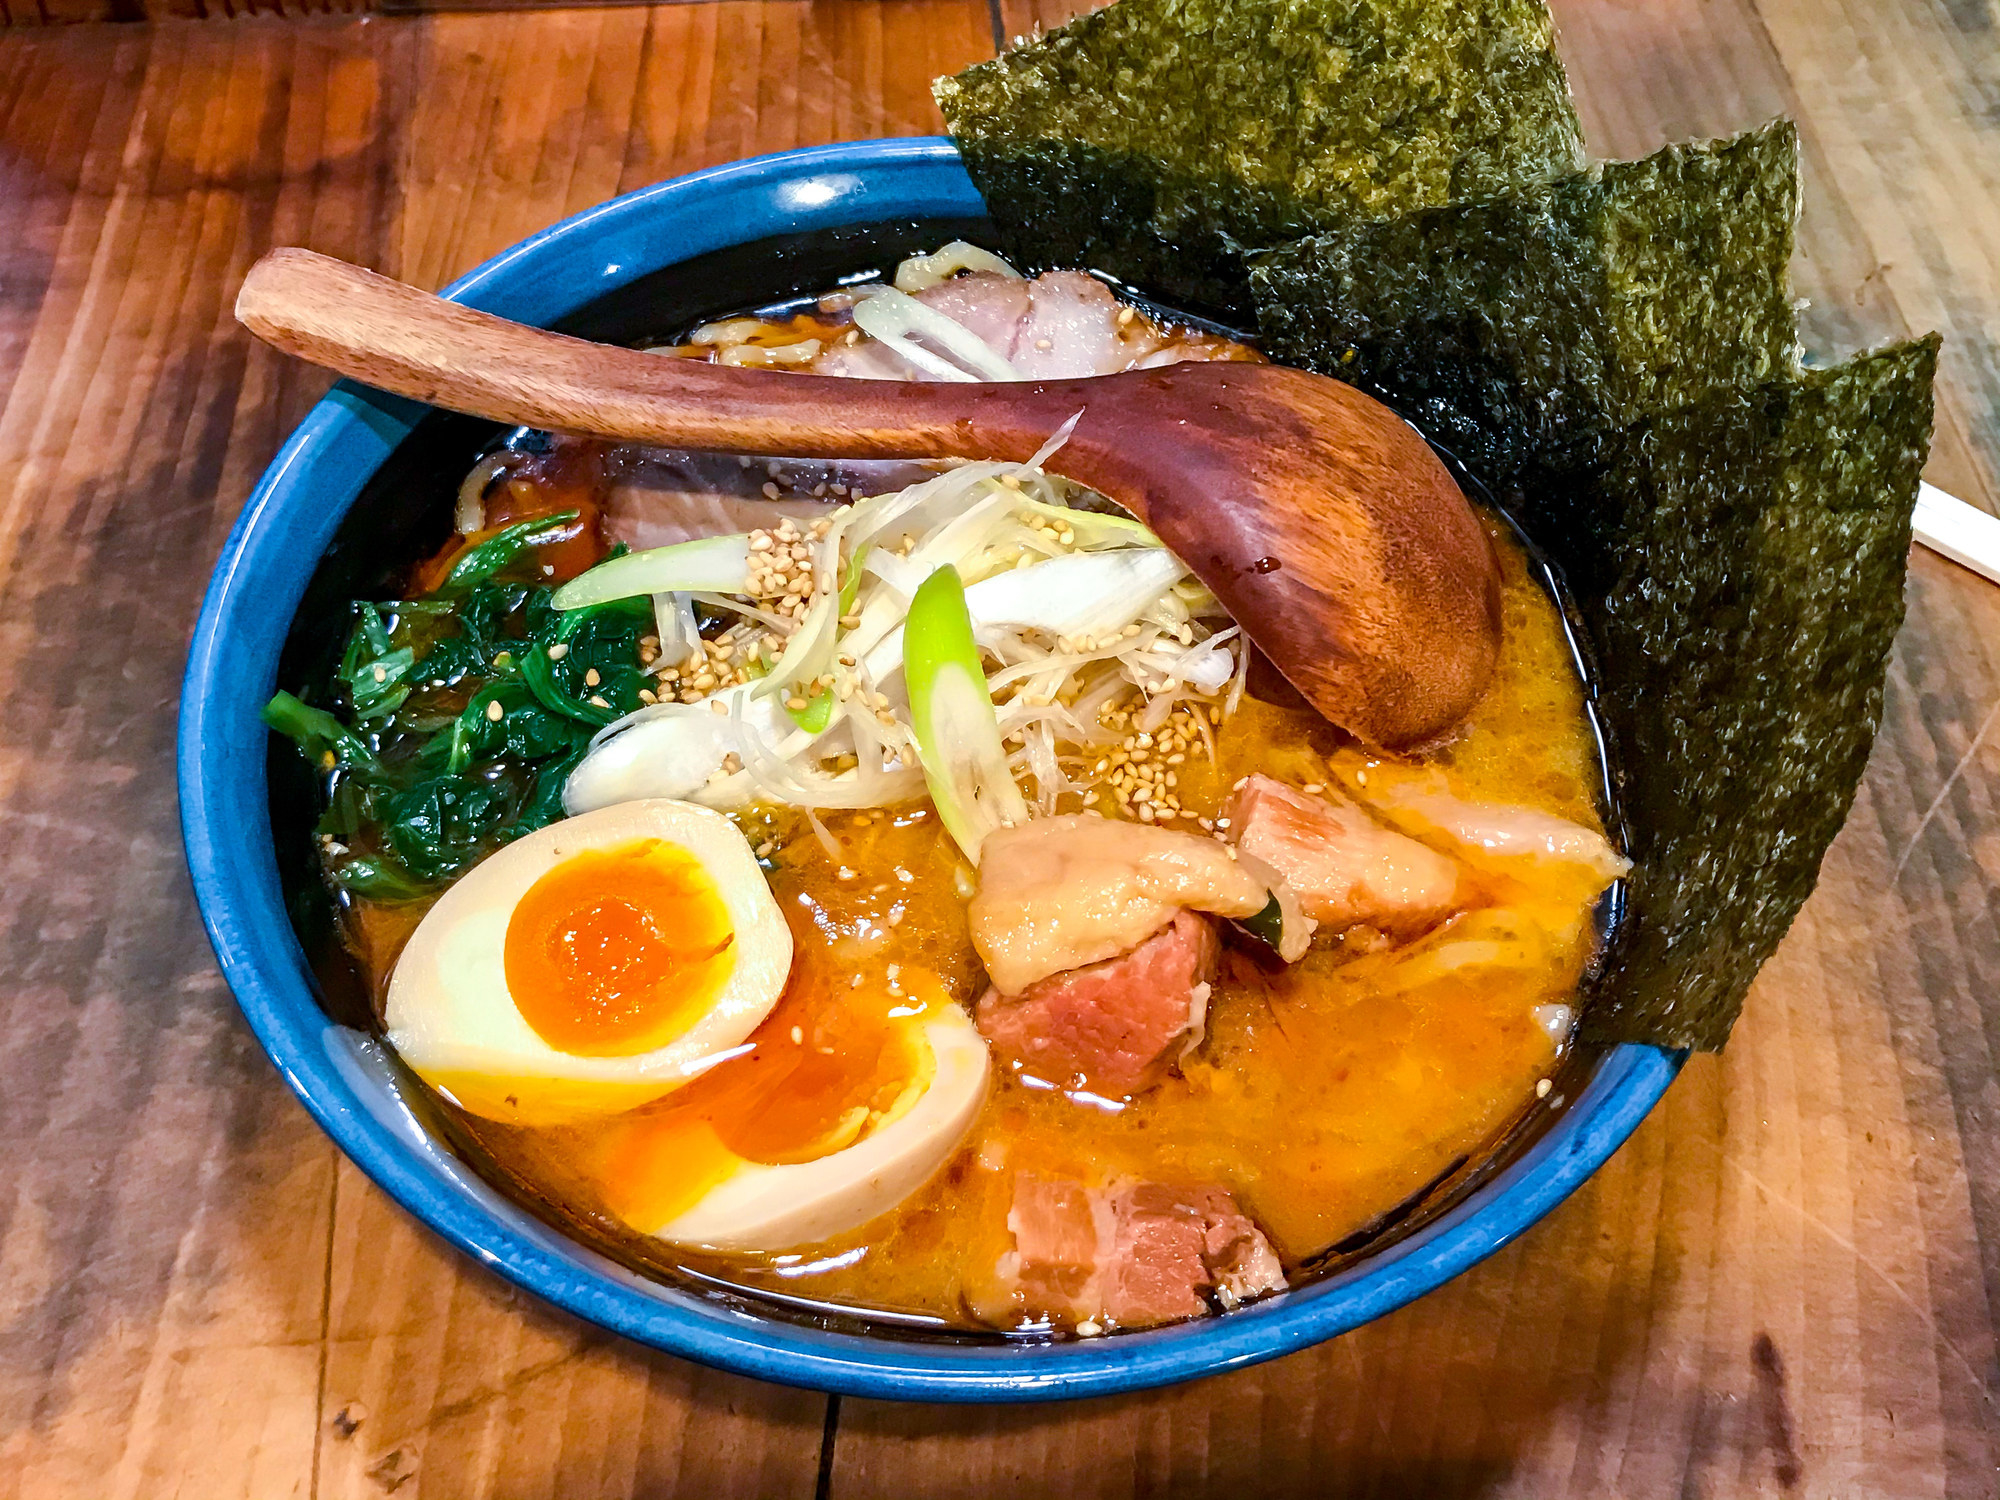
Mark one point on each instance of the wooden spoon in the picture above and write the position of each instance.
(1322, 521)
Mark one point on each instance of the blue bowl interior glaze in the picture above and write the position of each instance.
(352, 1088)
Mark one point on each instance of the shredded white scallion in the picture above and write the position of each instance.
(1089, 630)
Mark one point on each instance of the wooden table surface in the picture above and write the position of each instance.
(1786, 1284)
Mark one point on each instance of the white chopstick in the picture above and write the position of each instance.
(1964, 533)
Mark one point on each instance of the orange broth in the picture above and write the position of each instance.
(1324, 1096)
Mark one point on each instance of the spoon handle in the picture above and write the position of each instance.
(397, 338)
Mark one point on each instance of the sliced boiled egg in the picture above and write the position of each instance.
(845, 1102)
(591, 966)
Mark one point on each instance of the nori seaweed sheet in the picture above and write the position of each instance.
(1525, 331)
(1755, 543)
(1394, 187)
(1156, 139)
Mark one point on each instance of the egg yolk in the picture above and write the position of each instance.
(832, 1063)
(618, 951)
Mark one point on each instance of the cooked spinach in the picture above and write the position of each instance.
(454, 720)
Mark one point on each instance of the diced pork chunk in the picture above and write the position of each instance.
(1134, 1254)
(1346, 869)
(1059, 893)
(1113, 1027)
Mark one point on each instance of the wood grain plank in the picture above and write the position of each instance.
(165, 1206)
(1785, 1285)
(444, 1381)
(170, 1223)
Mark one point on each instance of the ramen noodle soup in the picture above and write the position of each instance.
(898, 886)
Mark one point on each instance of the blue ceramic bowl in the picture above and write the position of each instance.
(351, 1089)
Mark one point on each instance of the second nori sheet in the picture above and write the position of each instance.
(1155, 139)
(1524, 330)
(1754, 546)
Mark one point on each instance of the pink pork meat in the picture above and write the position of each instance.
(1347, 869)
(1133, 1254)
(1053, 326)
(1115, 1027)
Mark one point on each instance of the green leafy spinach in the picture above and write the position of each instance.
(454, 720)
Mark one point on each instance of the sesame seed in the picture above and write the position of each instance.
(1542, 1089)
(1313, 788)
(558, 651)
(715, 703)
(591, 679)
(495, 712)
(597, 700)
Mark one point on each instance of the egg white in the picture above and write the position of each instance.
(764, 1207)
(452, 1017)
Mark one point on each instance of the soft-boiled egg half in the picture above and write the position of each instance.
(591, 966)
(850, 1095)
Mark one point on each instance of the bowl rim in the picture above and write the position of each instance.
(259, 578)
